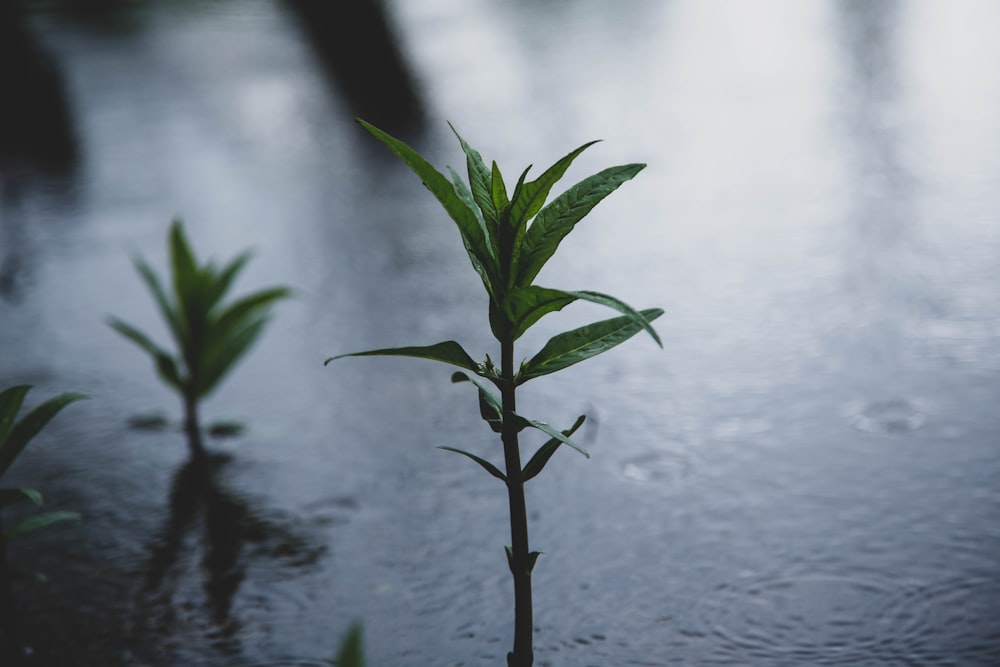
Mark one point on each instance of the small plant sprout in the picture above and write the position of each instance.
(509, 237)
(211, 336)
(14, 437)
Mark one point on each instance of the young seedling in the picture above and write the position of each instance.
(14, 437)
(509, 237)
(211, 336)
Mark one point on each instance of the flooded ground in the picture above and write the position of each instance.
(807, 474)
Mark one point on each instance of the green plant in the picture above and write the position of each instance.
(509, 239)
(14, 437)
(211, 336)
(351, 653)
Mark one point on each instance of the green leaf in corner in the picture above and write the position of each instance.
(28, 427)
(351, 652)
(39, 521)
(10, 497)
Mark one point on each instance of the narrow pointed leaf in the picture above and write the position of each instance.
(29, 426)
(555, 433)
(241, 311)
(222, 282)
(622, 307)
(351, 652)
(545, 452)
(10, 497)
(498, 191)
(223, 355)
(39, 521)
(574, 346)
(472, 234)
(532, 559)
(462, 190)
(448, 352)
(523, 306)
(10, 404)
(489, 405)
(534, 194)
(487, 466)
(167, 310)
(558, 218)
(481, 182)
(166, 366)
(183, 263)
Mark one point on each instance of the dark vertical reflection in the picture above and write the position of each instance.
(228, 533)
(867, 34)
(38, 144)
(356, 45)
(888, 264)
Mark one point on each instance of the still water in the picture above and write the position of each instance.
(807, 474)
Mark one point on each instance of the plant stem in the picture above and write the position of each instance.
(8, 615)
(192, 428)
(520, 559)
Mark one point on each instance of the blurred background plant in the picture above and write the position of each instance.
(210, 336)
(14, 437)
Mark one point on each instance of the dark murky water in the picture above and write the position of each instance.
(808, 474)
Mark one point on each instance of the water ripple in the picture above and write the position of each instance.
(893, 416)
(814, 619)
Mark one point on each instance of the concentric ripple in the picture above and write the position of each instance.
(812, 619)
(892, 416)
(656, 466)
(955, 622)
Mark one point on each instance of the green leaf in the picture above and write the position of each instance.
(473, 236)
(532, 559)
(489, 405)
(498, 191)
(531, 197)
(10, 497)
(481, 182)
(222, 282)
(10, 404)
(622, 307)
(574, 346)
(556, 434)
(241, 311)
(167, 310)
(166, 366)
(223, 355)
(523, 306)
(545, 452)
(184, 266)
(40, 521)
(448, 352)
(462, 190)
(534, 194)
(526, 305)
(487, 466)
(559, 217)
(29, 426)
(351, 652)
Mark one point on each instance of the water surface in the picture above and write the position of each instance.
(807, 474)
